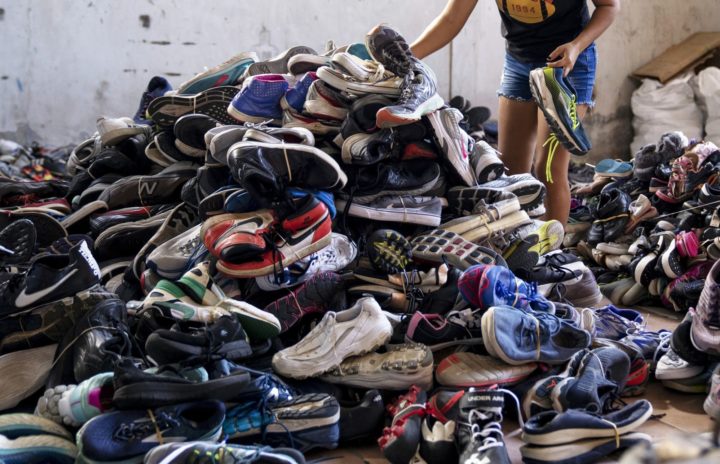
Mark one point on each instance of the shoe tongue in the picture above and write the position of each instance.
(487, 402)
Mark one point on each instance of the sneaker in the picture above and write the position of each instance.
(223, 453)
(225, 337)
(672, 367)
(529, 191)
(699, 384)
(539, 396)
(440, 245)
(558, 428)
(582, 292)
(454, 142)
(549, 339)
(304, 422)
(418, 177)
(359, 77)
(50, 278)
(324, 103)
(296, 95)
(17, 242)
(463, 370)
(362, 328)
(479, 434)
(157, 87)
(37, 448)
(705, 332)
(600, 377)
(164, 111)
(228, 73)
(277, 64)
(362, 419)
(400, 367)
(486, 163)
(439, 332)
(556, 97)
(259, 99)
(366, 149)
(611, 322)
(388, 251)
(128, 435)
(588, 450)
(712, 402)
(114, 130)
(424, 211)
(90, 398)
(401, 440)
(486, 286)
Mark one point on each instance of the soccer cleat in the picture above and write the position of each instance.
(400, 441)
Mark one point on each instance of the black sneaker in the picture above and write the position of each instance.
(438, 332)
(213, 102)
(225, 337)
(402, 178)
(361, 117)
(47, 228)
(364, 149)
(50, 278)
(190, 133)
(128, 238)
(438, 427)
(99, 222)
(479, 433)
(388, 47)
(462, 200)
(361, 420)
(165, 145)
(389, 251)
(16, 193)
(172, 384)
(17, 242)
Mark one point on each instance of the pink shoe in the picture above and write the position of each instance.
(687, 244)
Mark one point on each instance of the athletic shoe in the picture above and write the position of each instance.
(486, 286)
(558, 428)
(128, 435)
(400, 441)
(550, 339)
(529, 191)
(581, 292)
(388, 251)
(360, 77)
(90, 398)
(362, 329)
(362, 419)
(463, 200)
(37, 448)
(672, 367)
(304, 422)
(699, 384)
(50, 278)
(439, 332)
(556, 97)
(259, 99)
(463, 370)
(424, 211)
(611, 322)
(652, 344)
(455, 144)
(440, 245)
(705, 332)
(553, 268)
(177, 255)
(213, 102)
(190, 133)
(157, 87)
(365, 149)
(479, 434)
(225, 337)
(266, 169)
(320, 293)
(400, 367)
(114, 130)
(227, 73)
(589, 450)
(277, 64)
(17, 242)
(324, 103)
(222, 453)
(418, 177)
(712, 402)
(485, 162)
(489, 220)
(538, 397)
(601, 377)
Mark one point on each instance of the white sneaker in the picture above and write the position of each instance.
(454, 143)
(115, 130)
(358, 330)
(321, 106)
(672, 367)
(379, 82)
(485, 162)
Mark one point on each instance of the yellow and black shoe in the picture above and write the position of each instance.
(389, 251)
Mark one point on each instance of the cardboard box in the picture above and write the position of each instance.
(688, 54)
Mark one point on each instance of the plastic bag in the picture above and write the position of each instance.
(708, 89)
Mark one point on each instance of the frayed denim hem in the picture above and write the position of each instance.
(513, 97)
(590, 104)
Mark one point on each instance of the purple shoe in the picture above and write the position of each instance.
(259, 99)
(295, 97)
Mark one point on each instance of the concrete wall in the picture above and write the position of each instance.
(65, 62)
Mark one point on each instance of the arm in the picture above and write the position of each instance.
(565, 55)
(444, 28)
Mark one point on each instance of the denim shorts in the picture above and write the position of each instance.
(515, 83)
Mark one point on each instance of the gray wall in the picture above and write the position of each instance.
(66, 62)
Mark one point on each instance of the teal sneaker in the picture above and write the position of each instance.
(557, 99)
(227, 73)
(90, 398)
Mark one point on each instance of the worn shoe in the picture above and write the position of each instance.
(223, 453)
(705, 332)
(439, 332)
(400, 441)
(228, 73)
(213, 102)
(464, 370)
(479, 434)
(424, 211)
(454, 142)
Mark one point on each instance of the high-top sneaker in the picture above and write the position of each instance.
(479, 433)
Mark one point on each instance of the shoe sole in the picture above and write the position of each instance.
(23, 373)
(355, 87)
(443, 245)
(278, 65)
(238, 115)
(482, 364)
(552, 233)
(382, 214)
(536, 88)
(213, 74)
(213, 102)
(588, 450)
(386, 119)
(666, 264)
(36, 448)
(519, 256)
(47, 228)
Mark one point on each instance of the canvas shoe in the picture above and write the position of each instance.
(128, 435)
(671, 367)
(259, 99)
(401, 440)
(705, 331)
(400, 367)
(558, 428)
(304, 422)
(363, 328)
(419, 210)
(549, 339)
(455, 144)
(479, 434)
(213, 102)
(556, 98)
(229, 72)
(463, 370)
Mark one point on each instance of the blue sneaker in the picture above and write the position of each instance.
(127, 435)
(227, 73)
(259, 99)
(262, 388)
(304, 423)
(611, 322)
(295, 98)
(484, 286)
(520, 336)
(653, 345)
(360, 50)
(157, 87)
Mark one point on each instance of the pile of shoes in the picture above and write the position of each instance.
(255, 264)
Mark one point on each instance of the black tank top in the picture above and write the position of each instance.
(534, 28)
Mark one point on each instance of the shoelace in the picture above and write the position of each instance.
(553, 142)
(138, 430)
(491, 434)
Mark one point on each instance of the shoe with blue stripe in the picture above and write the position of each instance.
(227, 73)
(304, 423)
